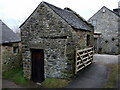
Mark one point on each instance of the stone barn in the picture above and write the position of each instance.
(50, 36)
(10, 50)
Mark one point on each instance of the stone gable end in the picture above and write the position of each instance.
(45, 30)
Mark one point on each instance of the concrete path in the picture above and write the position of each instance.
(95, 75)
(105, 59)
(118, 85)
(9, 84)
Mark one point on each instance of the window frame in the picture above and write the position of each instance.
(15, 50)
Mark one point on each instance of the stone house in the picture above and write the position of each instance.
(9, 48)
(50, 36)
(107, 31)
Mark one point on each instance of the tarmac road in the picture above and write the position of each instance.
(95, 75)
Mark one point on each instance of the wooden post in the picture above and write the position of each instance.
(76, 61)
(83, 61)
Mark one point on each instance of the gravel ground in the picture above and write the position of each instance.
(9, 84)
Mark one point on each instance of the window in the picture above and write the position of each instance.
(15, 50)
(94, 23)
(103, 10)
(88, 40)
(0, 50)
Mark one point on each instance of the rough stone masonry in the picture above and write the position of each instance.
(58, 36)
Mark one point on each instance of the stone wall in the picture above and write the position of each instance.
(48, 31)
(0, 61)
(119, 34)
(82, 38)
(107, 24)
(10, 60)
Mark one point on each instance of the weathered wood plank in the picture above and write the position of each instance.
(84, 57)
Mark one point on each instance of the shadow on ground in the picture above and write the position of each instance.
(93, 76)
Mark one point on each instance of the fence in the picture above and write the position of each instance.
(84, 58)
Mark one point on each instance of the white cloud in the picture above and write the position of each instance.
(14, 12)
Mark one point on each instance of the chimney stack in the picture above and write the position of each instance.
(117, 10)
(119, 4)
(119, 7)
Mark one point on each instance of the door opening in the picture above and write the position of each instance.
(37, 56)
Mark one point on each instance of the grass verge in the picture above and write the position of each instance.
(113, 76)
(54, 83)
(16, 75)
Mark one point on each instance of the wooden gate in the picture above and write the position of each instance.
(84, 57)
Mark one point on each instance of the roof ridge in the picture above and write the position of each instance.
(8, 35)
(73, 14)
(111, 11)
(66, 8)
(52, 5)
(102, 8)
(73, 20)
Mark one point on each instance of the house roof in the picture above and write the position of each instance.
(69, 16)
(107, 9)
(7, 35)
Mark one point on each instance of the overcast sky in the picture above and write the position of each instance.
(14, 12)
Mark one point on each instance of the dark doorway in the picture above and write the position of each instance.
(37, 65)
(95, 44)
(88, 40)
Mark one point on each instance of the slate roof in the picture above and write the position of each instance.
(7, 35)
(107, 9)
(116, 11)
(112, 11)
(70, 17)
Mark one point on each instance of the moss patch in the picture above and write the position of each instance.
(54, 83)
(16, 75)
(113, 76)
